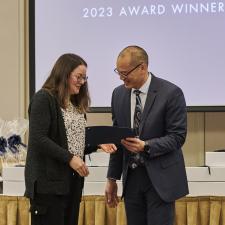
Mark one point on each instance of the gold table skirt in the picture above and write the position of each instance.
(94, 211)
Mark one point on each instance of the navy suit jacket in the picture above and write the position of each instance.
(163, 126)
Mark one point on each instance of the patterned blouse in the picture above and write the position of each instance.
(75, 124)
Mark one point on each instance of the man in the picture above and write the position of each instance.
(152, 163)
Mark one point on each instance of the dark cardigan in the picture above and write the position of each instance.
(47, 169)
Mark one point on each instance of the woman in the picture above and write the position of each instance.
(55, 170)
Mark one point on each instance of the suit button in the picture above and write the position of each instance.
(35, 212)
(133, 165)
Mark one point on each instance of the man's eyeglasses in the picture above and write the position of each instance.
(80, 78)
(125, 74)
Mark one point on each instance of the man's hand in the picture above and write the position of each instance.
(133, 144)
(108, 148)
(111, 193)
(79, 166)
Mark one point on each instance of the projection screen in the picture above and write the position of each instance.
(185, 41)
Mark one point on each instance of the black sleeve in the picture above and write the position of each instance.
(40, 121)
(116, 159)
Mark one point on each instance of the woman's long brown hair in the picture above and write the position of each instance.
(57, 82)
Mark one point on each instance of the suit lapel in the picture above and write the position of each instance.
(126, 106)
(152, 92)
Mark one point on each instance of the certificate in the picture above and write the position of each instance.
(96, 135)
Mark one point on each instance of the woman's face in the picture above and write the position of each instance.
(77, 78)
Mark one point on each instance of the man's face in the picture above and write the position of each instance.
(131, 75)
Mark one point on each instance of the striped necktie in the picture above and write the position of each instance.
(137, 159)
(137, 112)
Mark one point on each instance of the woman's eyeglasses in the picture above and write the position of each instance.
(80, 78)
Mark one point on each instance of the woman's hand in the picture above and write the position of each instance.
(79, 166)
(108, 148)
